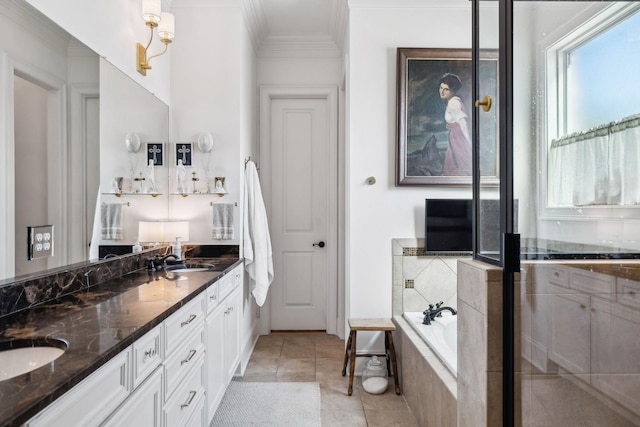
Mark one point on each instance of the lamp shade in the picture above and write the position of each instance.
(151, 10)
(162, 231)
(167, 26)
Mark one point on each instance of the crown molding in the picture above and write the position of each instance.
(36, 23)
(298, 47)
(339, 21)
(408, 4)
(255, 21)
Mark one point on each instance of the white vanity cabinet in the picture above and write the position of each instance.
(93, 400)
(222, 336)
(173, 376)
(591, 318)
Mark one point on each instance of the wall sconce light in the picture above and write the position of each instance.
(166, 24)
(219, 190)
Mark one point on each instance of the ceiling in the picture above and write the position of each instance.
(297, 27)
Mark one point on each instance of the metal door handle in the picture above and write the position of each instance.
(319, 244)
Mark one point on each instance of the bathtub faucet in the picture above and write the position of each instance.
(433, 312)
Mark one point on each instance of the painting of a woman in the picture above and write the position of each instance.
(435, 113)
(457, 160)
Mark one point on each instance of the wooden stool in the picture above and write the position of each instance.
(356, 325)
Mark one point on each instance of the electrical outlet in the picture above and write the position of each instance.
(40, 241)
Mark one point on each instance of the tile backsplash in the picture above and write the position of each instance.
(421, 278)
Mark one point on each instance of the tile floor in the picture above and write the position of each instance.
(319, 357)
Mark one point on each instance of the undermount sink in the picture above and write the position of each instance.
(185, 268)
(18, 357)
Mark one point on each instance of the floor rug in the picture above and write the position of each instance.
(269, 404)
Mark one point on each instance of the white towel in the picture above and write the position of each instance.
(223, 221)
(94, 245)
(258, 258)
(111, 215)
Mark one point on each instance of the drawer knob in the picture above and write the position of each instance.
(212, 297)
(192, 395)
(189, 357)
(150, 353)
(186, 322)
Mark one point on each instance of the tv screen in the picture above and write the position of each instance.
(448, 225)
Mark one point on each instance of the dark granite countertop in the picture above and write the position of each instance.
(625, 269)
(97, 324)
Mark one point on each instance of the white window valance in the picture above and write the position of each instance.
(598, 167)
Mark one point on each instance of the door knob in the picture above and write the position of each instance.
(319, 244)
(485, 103)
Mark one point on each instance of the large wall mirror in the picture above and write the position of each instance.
(69, 115)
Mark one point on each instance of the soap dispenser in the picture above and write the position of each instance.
(176, 249)
(137, 247)
(374, 376)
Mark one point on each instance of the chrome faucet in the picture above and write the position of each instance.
(158, 262)
(432, 312)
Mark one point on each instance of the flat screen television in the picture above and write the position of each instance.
(448, 225)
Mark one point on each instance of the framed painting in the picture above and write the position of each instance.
(434, 117)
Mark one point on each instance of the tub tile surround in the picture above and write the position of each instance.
(480, 364)
(429, 388)
(422, 278)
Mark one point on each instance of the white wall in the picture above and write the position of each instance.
(213, 90)
(376, 214)
(208, 95)
(112, 29)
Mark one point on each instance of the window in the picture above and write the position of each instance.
(602, 76)
(593, 111)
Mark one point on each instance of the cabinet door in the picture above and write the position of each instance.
(232, 314)
(616, 353)
(569, 337)
(216, 377)
(143, 408)
(90, 402)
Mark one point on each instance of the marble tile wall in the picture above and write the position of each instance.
(422, 278)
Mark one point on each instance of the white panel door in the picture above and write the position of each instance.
(300, 147)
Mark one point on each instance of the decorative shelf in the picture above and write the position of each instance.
(195, 194)
(133, 194)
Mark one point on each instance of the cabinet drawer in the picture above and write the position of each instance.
(212, 297)
(92, 401)
(185, 400)
(628, 293)
(225, 286)
(181, 361)
(147, 355)
(550, 274)
(596, 284)
(182, 323)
